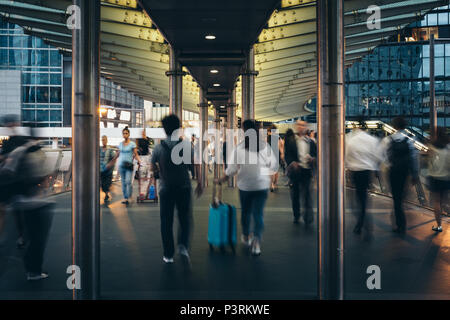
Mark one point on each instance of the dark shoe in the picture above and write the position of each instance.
(437, 229)
(106, 197)
(357, 230)
(20, 243)
(296, 220)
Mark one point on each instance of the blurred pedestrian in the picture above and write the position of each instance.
(400, 155)
(107, 155)
(22, 173)
(439, 174)
(361, 159)
(300, 154)
(276, 143)
(254, 164)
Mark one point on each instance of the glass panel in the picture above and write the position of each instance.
(3, 57)
(443, 18)
(55, 115)
(55, 94)
(42, 58)
(41, 78)
(28, 94)
(42, 94)
(438, 50)
(439, 67)
(42, 115)
(55, 78)
(28, 115)
(426, 67)
(26, 78)
(3, 41)
(55, 58)
(432, 19)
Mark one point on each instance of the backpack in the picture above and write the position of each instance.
(23, 170)
(172, 174)
(399, 154)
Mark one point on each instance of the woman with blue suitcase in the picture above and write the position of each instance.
(254, 163)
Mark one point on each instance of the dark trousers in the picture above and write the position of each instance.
(252, 204)
(106, 180)
(37, 227)
(300, 187)
(181, 198)
(361, 181)
(398, 179)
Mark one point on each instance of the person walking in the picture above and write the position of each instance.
(361, 160)
(127, 151)
(175, 189)
(106, 167)
(276, 143)
(400, 155)
(439, 174)
(300, 152)
(254, 164)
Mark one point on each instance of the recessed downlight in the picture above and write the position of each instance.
(222, 107)
(214, 71)
(210, 37)
(216, 84)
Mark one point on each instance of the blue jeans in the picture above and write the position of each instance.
(127, 187)
(252, 204)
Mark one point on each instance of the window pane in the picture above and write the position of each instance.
(41, 78)
(42, 115)
(42, 94)
(28, 94)
(28, 115)
(55, 115)
(432, 19)
(438, 50)
(443, 18)
(42, 58)
(439, 67)
(55, 58)
(3, 57)
(55, 78)
(55, 95)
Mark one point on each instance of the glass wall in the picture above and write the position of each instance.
(41, 68)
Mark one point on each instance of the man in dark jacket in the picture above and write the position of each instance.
(174, 188)
(300, 153)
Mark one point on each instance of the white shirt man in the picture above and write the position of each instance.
(361, 151)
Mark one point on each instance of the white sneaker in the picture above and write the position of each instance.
(34, 276)
(437, 229)
(256, 248)
(168, 260)
(247, 241)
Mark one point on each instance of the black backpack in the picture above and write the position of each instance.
(399, 154)
(172, 174)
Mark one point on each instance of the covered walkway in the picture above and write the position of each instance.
(415, 266)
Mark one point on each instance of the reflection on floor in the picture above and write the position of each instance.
(413, 266)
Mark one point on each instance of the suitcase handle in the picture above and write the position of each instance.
(216, 196)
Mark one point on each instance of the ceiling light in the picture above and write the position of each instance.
(222, 107)
(216, 84)
(214, 71)
(210, 37)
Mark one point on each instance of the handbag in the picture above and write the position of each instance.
(293, 169)
(127, 165)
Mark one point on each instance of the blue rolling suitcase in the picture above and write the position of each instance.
(221, 224)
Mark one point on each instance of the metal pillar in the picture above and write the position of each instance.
(85, 155)
(248, 87)
(217, 146)
(203, 105)
(175, 75)
(231, 125)
(330, 119)
(433, 111)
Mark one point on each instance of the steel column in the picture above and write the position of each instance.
(331, 124)
(248, 86)
(85, 133)
(433, 111)
(203, 105)
(231, 125)
(175, 75)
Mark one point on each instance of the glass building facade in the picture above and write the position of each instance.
(394, 79)
(41, 75)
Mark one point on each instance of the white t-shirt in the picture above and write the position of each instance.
(253, 169)
(361, 151)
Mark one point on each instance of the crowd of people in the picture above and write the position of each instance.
(296, 154)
